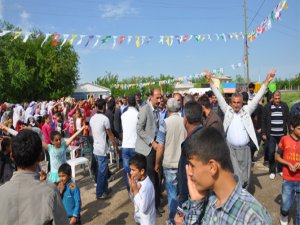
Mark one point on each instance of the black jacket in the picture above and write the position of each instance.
(266, 119)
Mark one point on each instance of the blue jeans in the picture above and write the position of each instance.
(127, 153)
(171, 188)
(102, 184)
(289, 190)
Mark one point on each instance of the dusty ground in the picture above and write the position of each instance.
(119, 210)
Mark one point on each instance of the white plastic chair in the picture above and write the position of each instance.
(73, 162)
(113, 155)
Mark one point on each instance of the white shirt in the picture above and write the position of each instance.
(144, 203)
(236, 133)
(129, 120)
(78, 123)
(99, 124)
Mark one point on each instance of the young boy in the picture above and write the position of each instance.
(288, 154)
(215, 196)
(141, 191)
(70, 194)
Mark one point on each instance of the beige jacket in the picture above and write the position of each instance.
(27, 200)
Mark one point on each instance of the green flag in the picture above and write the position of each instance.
(272, 87)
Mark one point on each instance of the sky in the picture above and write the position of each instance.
(277, 48)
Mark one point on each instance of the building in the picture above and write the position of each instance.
(183, 88)
(83, 91)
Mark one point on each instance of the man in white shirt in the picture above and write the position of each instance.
(239, 128)
(100, 127)
(129, 120)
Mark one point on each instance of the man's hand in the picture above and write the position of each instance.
(270, 76)
(157, 167)
(297, 166)
(43, 175)
(154, 145)
(264, 137)
(194, 193)
(292, 168)
(259, 130)
(208, 76)
(178, 219)
(73, 220)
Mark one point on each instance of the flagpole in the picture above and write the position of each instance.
(246, 44)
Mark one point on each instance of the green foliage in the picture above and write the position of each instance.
(199, 81)
(109, 79)
(292, 83)
(31, 72)
(239, 79)
(290, 98)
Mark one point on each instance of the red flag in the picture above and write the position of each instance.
(55, 39)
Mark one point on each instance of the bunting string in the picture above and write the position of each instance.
(141, 40)
(181, 79)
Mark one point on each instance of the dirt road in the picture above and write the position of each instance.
(118, 210)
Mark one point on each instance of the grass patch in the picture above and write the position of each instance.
(290, 98)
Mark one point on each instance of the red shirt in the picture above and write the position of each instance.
(47, 129)
(291, 154)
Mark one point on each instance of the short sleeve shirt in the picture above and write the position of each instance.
(57, 156)
(99, 124)
(161, 134)
(291, 153)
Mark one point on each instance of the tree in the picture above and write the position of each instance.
(293, 83)
(31, 72)
(109, 80)
(239, 79)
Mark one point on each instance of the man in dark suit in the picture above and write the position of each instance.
(147, 128)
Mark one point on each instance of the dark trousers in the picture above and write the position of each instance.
(183, 191)
(153, 176)
(272, 142)
(266, 150)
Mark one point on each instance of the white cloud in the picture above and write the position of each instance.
(25, 23)
(118, 10)
(24, 15)
(1, 9)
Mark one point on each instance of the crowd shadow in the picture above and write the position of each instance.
(120, 220)
(254, 182)
(93, 210)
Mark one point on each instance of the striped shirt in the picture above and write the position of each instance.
(239, 209)
(276, 121)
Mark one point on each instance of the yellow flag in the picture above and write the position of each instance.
(137, 41)
(17, 34)
(285, 6)
(73, 38)
(168, 40)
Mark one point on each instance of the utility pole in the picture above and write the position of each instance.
(246, 44)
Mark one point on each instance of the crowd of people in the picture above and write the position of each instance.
(199, 148)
